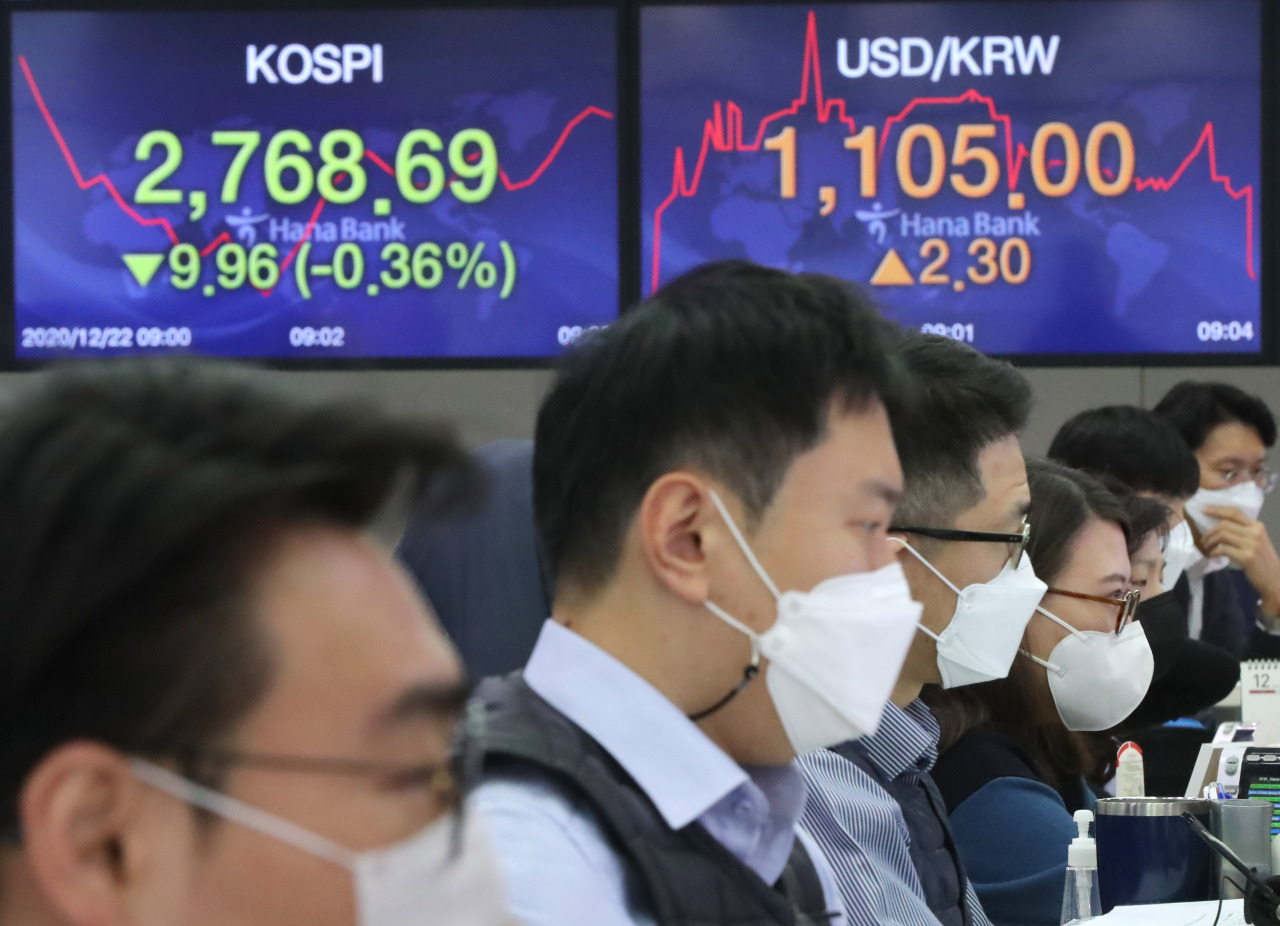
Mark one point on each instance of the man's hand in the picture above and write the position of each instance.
(1245, 541)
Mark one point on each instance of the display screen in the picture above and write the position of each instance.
(1260, 786)
(1032, 178)
(373, 184)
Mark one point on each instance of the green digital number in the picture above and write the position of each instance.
(147, 192)
(248, 142)
(234, 264)
(427, 269)
(277, 162)
(349, 164)
(348, 265)
(408, 163)
(484, 169)
(184, 264)
(397, 255)
(264, 272)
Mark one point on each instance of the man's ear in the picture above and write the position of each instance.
(672, 520)
(80, 809)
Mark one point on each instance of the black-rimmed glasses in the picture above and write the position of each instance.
(1018, 540)
(1127, 604)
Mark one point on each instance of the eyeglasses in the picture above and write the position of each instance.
(1264, 479)
(1127, 604)
(1018, 540)
(448, 781)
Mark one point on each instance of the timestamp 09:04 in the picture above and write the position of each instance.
(104, 338)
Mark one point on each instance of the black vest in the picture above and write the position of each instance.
(933, 850)
(689, 878)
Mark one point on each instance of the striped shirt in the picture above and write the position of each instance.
(861, 829)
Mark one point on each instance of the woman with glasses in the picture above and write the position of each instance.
(1012, 764)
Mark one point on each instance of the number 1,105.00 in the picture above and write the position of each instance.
(1063, 138)
(290, 177)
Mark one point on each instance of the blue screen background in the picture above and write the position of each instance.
(1134, 273)
(531, 78)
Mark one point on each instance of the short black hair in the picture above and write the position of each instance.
(1138, 447)
(140, 499)
(1146, 515)
(963, 401)
(1195, 409)
(1063, 500)
(732, 367)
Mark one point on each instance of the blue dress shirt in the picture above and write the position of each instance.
(860, 827)
(557, 862)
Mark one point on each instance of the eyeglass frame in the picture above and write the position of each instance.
(946, 533)
(1265, 480)
(1128, 603)
(452, 780)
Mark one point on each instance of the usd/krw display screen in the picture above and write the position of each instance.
(379, 184)
(1033, 178)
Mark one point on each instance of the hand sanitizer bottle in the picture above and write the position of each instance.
(1080, 895)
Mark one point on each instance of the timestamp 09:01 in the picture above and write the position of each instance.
(956, 332)
(104, 338)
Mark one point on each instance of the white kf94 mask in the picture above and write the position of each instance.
(834, 652)
(1180, 553)
(982, 640)
(1246, 497)
(1097, 677)
(411, 883)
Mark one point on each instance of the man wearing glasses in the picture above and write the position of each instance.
(221, 702)
(961, 529)
(1229, 431)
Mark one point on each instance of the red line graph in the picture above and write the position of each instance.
(722, 132)
(114, 192)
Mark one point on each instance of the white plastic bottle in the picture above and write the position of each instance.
(1130, 777)
(1080, 895)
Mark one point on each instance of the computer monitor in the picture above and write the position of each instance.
(415, 184)
(1055, 181)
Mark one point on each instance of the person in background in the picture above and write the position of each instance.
(960, 531)
(714, 477)
(1010, 769)
(1143, 452)
(1229, 431)
(1149, 535)
(221, 702)
(484, 574)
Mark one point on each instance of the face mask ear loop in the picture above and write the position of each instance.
(1065, 626)
(223, 805)
(1040, 662)
(744, 546)
(748, 674)
(928, 565)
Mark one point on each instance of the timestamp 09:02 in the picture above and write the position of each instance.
(104, 338)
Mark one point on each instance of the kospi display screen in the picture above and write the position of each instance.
(424, 183)
(1053, 178)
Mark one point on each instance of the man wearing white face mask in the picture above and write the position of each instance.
(714, 476)
(1229, 431)
(221, 702)
(960, 533)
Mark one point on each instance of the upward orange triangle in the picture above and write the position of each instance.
(892, 272)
